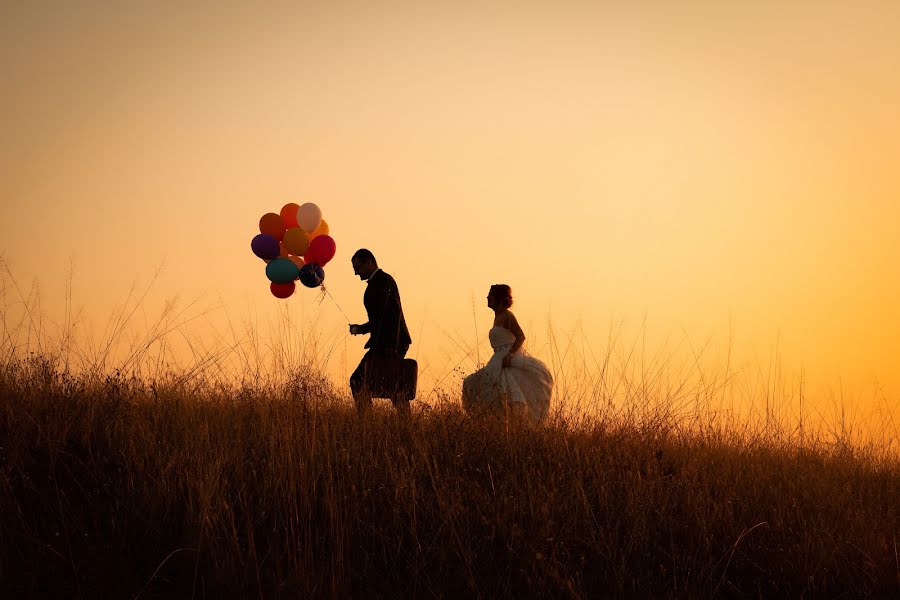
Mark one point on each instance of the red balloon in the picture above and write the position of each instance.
(321, 250)
(289, 214)
(272, 224)
(283, 290)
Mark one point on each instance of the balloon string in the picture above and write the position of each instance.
(325, 292)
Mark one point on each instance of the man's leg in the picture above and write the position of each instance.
(402, 407)
(359, 387)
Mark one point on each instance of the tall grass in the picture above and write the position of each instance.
(154, 481)
(122, 488)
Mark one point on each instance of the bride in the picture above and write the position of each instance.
(511, 381)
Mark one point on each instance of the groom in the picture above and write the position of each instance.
(388, 336)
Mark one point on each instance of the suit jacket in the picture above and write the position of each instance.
(387, 326)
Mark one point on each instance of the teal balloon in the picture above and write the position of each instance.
(282, 270)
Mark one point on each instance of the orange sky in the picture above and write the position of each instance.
(708, 168)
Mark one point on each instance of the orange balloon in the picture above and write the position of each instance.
(322, 229)
(289, 214)
(284, 251)
(296, 241)
(272, 224)
(297, 260)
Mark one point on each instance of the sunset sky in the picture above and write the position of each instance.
(718, 171)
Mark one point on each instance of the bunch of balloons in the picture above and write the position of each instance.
(295, 245)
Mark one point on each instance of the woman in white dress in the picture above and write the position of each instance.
(511, 381)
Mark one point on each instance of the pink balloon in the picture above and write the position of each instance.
(321, 250)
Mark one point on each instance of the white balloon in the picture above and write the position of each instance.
(309, 216)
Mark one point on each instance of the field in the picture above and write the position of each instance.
(117, 486)
(123, 474)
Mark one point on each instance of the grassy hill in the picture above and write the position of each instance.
(116, 487)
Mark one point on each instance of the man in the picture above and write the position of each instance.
(389, 340)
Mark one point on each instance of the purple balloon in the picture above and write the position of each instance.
(265, 246)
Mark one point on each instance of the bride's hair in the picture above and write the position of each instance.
(503, 293)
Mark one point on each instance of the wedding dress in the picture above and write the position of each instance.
(526, 381)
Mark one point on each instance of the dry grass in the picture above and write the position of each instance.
(123, 474)
(124, 487)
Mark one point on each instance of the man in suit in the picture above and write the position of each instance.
(388, 336)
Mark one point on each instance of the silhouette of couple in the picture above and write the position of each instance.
(511, 383)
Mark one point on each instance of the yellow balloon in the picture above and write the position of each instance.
(296, 241)
(322, 229)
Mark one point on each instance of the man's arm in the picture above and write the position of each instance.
(363, 328)
(375, 297)
(376, 307)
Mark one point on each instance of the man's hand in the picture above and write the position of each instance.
(355, 329)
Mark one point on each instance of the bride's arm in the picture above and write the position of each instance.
(513, 325)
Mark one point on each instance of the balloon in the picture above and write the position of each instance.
(283, 253)
(265, 246)
(296, 241)
(297, 260)
(321, 250)
(312, 275)
(322, 229)
(282, 290)
(272, 224)
(289, 215)
(282, 270)
(309, 216)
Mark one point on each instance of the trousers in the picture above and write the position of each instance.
(384, 374)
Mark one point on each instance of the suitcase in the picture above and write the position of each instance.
(407, 379)
(393, 378)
